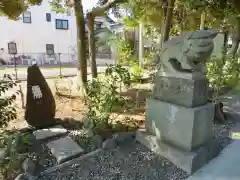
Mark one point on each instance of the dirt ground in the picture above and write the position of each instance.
(74, 108)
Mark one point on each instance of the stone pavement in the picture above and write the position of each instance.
(63, 148)
(226, 165)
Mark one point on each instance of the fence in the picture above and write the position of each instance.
(42, 59)
(59, 64)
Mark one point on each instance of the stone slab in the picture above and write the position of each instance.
(49, 132)
(184, 92)
(223, 167)
(186, 128)
(64, 149)
(189, 161)
(74, 161)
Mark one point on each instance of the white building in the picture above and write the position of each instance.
(36, 28)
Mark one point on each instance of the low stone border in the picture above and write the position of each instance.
(108, 144)
(70, 162)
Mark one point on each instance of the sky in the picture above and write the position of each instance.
(88, 4)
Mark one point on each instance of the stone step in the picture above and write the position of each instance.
(54, 131)
(64, 149)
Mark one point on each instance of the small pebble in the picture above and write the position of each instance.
(97, 141)
(124, 137)
(28, 166)
(109, 144)
(21, 177)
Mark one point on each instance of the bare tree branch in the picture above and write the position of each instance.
(100, 10)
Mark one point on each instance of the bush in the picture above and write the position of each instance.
(223, 72)
(102, 96)
(10, 143)
(14, 144)
(7, 110)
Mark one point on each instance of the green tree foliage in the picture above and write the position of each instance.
(14, 8)
(100, 10)
(149, 12)
(103, 97)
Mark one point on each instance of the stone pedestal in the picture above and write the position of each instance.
(179, 122)
(187, 128)
(189, 161)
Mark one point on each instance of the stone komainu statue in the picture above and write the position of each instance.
(187, 53)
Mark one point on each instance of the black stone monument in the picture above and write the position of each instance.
(40, 103)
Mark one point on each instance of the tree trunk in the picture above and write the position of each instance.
(141, 45)
(167, 24)
(203, 18)
(81, 47)
(92, 46)
(236, 38)
(97, 11)
(181, 20)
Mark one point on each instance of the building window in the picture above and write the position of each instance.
(48, 17)
(50, 49)
(27, 17)
(61, 24)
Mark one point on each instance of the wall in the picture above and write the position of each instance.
(32, 38)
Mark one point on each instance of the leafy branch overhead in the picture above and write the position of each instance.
(14, 8)
(104, 5)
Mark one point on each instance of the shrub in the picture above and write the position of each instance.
(10, 143)
(102, 96)
(223, 72)
(7, 110)
(14, 144)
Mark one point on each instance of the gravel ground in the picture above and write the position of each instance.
(41, 155)
(221, 132)
(130, 162)
(127, 163)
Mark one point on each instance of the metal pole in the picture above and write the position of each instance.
(60, 64)
(15, 66)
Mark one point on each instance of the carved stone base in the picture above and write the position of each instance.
(184, 92)
(189, 76)
(189, 161)
(186, 128)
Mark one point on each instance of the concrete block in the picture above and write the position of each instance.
(184, 92)
(64, 149)
(186, 128)
(189, 161)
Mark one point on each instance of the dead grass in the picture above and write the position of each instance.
(70, 106)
